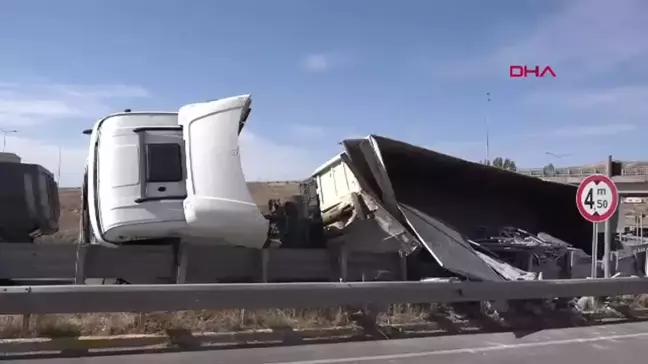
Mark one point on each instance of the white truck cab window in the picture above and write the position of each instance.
(164, 162)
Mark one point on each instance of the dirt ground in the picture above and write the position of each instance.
(70, 200)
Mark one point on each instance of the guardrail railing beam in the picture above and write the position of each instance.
(147, 298)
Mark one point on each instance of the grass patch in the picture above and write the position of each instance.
(100, 324)
(447, 317)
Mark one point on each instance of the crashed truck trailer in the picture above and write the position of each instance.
(153, 187)
(447, 203)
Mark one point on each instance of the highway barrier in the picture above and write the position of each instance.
(149, 298)
(62, 299)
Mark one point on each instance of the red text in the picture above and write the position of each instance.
(524, 71)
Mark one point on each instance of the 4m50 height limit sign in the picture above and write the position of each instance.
(597, 198)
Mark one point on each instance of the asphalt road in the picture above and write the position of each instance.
(623, 343)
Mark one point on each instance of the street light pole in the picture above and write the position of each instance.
(488, 100)
(4, 137)
(60, 151)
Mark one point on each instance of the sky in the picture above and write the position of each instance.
(323, 71)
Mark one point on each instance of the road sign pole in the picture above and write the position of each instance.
(594, 249)
(641, 216)
(608, 229)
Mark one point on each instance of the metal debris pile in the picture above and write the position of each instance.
(544, 248)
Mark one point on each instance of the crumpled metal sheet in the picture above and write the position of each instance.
(448, 247)
(436, 197)
(507, 271)
(482, 196)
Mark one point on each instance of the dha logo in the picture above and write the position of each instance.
(524, 71)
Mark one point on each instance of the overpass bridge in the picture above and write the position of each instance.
(631, 182)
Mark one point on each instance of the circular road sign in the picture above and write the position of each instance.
(597, 198)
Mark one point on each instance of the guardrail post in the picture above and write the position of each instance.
(403, 266)
(567, 265)
(24, 329)
(181, 258)
(529, 262)
(141, 319)
(80, 264)
(343, 261)
(265, 259)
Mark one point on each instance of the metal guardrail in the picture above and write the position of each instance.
(148, 298)
(580, 172)
(157, 264)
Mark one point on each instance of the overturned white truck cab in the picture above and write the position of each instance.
(159, 175)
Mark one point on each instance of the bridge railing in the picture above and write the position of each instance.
(580, 172)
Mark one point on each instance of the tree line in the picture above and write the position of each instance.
(503, 163)
(509, 165)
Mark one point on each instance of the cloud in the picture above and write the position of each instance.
(324, 62)
(18, 111)
(585, 99)
(264, 159)
(585, 35)
(101, 91)
(622, 101)
(581, 38)
(316, 63)
(592, 130)
(521, 144)
(307, 131)
(28, 105)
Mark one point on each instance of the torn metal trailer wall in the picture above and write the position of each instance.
(445, 201)
(474, 199)
(451, 250)
(448, 248)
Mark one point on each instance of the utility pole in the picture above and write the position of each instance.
(488, 100)
(4, 137)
